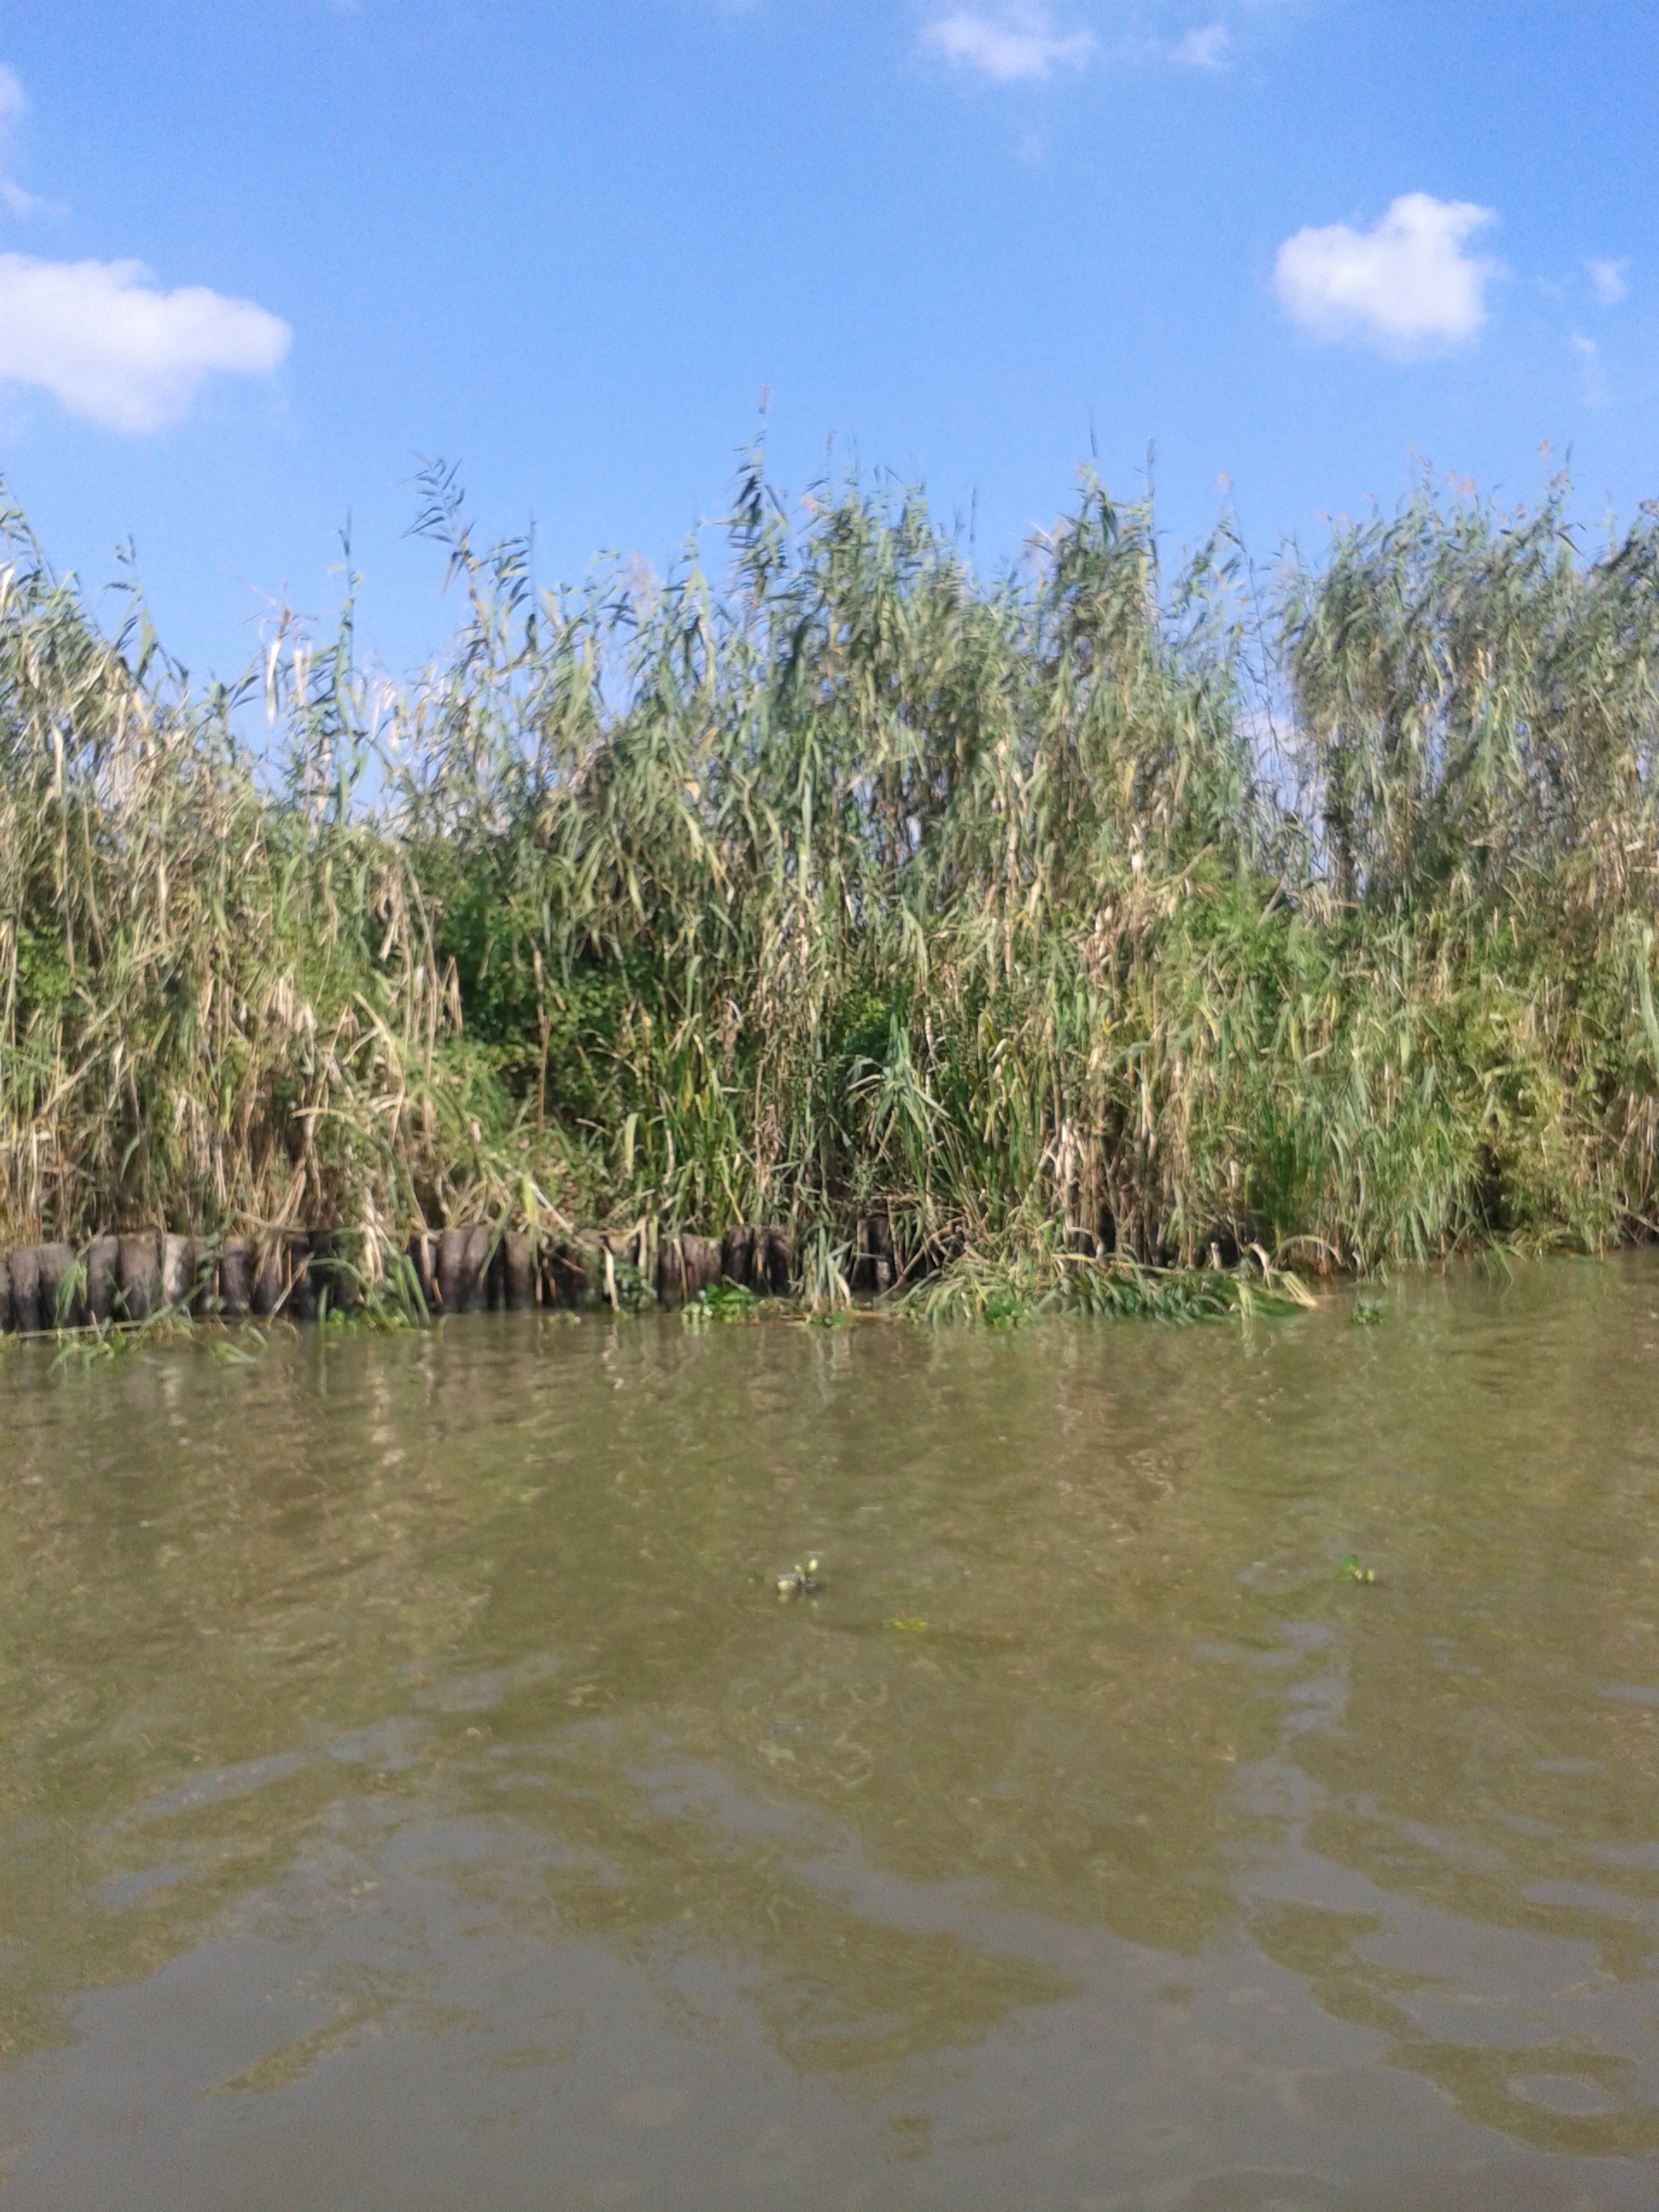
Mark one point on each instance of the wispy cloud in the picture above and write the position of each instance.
(112, 349)
(1013, 46)
(13, 108)
(1592, 379)
(1405, 285)
(1204, 49)
(1609, 280)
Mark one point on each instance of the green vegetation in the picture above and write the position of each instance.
(727, 1302)
(1078, 927)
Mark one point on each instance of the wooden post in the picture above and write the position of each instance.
(519, 1272)
(138, 1276)
(774, 1256)
(737, 1257)
(451, 1270)
(175, 1271)
(331, 1272)
(479, 1240)
(235, 1278)
(669, 1286)
(26, 1290)
(423, 1259)
(700, 1258)
(300, 1304)
(103, 1265)
(201, 1272)
(63, 1305)
(462, 1256)
(567, 1274)
(267, 1284)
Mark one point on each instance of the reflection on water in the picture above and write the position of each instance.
(414, 1795)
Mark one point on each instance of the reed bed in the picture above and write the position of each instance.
(1048, 931)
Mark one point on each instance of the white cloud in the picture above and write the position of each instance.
(1608, 280)
(1402, 286)
(1019, 44)
(13, 108)
(1205, 49)
(110, 348)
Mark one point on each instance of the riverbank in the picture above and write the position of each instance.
(1085, 911)
(137, 1278)
(132, 1283)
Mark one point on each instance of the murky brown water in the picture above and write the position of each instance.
(409, 1798)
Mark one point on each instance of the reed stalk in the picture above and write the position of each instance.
(846, 886)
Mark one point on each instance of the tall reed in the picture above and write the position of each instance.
(843, 886)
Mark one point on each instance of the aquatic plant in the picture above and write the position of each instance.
(1048, 941)
(727, 1302)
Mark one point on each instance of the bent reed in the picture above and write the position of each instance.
(1036, 933)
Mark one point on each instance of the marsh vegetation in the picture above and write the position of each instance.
(1087, 909)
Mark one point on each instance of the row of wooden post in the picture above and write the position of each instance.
(463, 1270)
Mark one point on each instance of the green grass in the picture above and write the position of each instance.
(842, 888)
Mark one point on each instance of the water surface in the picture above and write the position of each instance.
(415, 1795)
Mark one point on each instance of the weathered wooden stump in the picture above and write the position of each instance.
(774, 1261)
(201, 1275)
(422, 1257)
(138, 1276)
(235, 1278)
(26, 1290)
(874, 1265)
(700, 1256)
(670, 1283)
(301, 1302)
(569, 1272)
(268, 1286)
(686, 1266)
(737, 1257)
(463, 1254)
(450, 1271)
(103, 1278)
(481, 1243)
(520, 1276)
(175, 1271)
(63, 1305)
(332, 1272)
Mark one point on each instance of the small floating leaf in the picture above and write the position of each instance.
(910, 1627)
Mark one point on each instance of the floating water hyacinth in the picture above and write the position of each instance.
(801, 1580)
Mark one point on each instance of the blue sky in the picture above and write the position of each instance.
(1297, 246)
